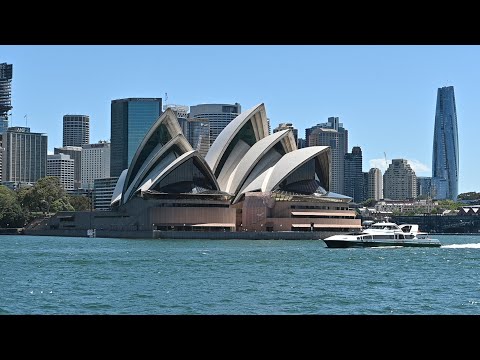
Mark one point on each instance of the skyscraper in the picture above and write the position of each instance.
(61, 166)
(353, 182)
(75, 153)
(218, 115)
(6, 72)
(333, 134)
(424, 186)
(375, 184)
(445, 159)
(130, 120)
(25, 156)
(95, 163)
(76, 130)
(399, 181)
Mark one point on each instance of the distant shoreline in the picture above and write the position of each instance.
(179, 235)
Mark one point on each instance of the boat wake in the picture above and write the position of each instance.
(462, 246)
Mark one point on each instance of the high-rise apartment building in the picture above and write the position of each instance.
(76, 130)
(399, 181)
(130, 120)
(445, 159)
(75, 153)
(25, 156)
(63, 167)
(353, 181)
(375, 184)
(333, 134)
(95, 163)
(218, 116)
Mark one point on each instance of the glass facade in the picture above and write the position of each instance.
(353, 182)
(218, 116)
(130, 121)
(445, 158)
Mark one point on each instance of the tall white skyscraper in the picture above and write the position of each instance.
(63, 167)
(95, 163)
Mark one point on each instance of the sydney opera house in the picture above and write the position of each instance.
(248, 182)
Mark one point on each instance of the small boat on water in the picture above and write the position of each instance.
(383, 234)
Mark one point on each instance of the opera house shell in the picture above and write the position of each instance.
(249, 181)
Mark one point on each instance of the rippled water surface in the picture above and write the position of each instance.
(54, 275)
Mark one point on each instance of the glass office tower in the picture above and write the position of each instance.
(445, 159)
(130, 120)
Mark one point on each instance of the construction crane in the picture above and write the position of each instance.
(386, 163)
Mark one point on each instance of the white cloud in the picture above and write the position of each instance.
(417, 166)
(378, 163)
(49, 152)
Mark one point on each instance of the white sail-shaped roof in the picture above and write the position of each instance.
(240, 134)
(256, 153)
(293, 160)
(163, 150)
(117, 192)
(164, 129)
(157, 161)
(155, 178)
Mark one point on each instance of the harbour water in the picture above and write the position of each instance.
(54, 275)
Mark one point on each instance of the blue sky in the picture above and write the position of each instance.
(384, 95)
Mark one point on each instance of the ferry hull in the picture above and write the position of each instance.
(381, 243)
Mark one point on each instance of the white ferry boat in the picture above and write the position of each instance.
(384, 234)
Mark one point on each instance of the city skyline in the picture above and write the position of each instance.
(379, 93)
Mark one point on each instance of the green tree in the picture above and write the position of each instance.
(11, 214)
(469, 196)
(369, 202)
(44, 194)
(79, 202)
(61, 204)
(449, 205)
